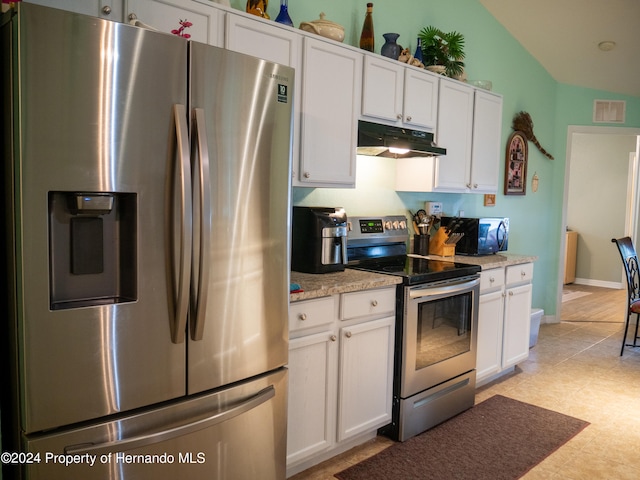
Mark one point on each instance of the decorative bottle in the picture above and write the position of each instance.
(283, 17)
(258, 7)
(366, 37)
(418, 54)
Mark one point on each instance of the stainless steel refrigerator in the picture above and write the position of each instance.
(146, 198)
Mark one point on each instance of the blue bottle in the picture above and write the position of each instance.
(418, 54)
(283, 17)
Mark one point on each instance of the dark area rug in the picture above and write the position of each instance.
(500, 438)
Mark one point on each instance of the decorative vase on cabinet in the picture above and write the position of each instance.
(258, 7)
(283, 17)
(390, 48)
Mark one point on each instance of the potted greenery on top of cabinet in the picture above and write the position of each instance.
(442, 51)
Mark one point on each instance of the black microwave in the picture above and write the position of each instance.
(481, 236)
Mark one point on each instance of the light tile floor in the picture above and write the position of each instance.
(575, 368)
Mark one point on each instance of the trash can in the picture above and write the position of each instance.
(536, 316)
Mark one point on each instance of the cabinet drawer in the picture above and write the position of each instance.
(491, 279)
(368, 302)
(519, 273)
(311, 313)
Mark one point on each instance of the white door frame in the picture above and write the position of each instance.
(632, 215)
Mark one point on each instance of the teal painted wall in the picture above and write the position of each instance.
(492, 54)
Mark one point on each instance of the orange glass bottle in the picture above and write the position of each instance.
(366, 37)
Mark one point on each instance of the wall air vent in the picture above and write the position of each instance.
(608, 111)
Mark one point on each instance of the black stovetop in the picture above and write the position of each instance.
(415, 270)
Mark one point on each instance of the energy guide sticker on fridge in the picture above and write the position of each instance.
(282, 93)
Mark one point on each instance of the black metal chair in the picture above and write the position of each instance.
(632, 270)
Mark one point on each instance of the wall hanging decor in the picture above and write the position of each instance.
(515, 172)
(522, 123)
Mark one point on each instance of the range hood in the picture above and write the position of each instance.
(382, 140)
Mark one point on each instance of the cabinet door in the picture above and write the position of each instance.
(312, 394)
(331, 86)
(164, 15)
(517, 324)
(382, 86)
(275, 44)
(489, 348)
(107, 9)
(366, 375)
(455, 121)
(487, 142)
(420, 99)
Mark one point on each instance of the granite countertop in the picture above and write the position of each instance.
(488, 262)
(325, 284)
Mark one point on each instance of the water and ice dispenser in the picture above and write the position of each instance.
(92, 248)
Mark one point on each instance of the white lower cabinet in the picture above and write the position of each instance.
(340, 373)
(504, 319)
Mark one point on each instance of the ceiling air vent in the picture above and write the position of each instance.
(608, 111)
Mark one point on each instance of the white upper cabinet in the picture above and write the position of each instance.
(487, 142)
(397, 94)
(107, 9)
(207, 22)
(330, 106)
(455, 123)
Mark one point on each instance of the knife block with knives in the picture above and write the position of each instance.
(443, 243)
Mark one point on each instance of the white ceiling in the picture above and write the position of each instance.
(563, 35)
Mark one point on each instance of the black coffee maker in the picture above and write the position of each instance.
(319, 239)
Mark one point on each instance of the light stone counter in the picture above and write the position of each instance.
(325, 284)
(488, 262)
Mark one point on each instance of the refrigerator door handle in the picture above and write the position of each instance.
(183, 243)
(202, 200)
(144, 440)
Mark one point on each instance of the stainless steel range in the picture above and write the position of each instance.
(436, 324)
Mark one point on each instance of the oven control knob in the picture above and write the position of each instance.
(396, 225)
(388, 225)
(403, 225)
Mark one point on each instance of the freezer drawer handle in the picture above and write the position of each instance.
(156, 437)
(184, 234)
(202, 200)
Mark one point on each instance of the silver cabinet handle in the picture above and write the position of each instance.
(182, 242)
(511, 294)
(491, 280)
(347, 334)
(302, 316)
(374, 303)
(202, 201)
(106, 10)
(399, 116)
(307, 175)
(152, 438)
(409, 118)
(333, 338)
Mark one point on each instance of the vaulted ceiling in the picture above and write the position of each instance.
(563, 35)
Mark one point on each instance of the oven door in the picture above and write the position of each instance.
(439, 332)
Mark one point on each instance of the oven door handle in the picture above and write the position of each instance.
(451, 288)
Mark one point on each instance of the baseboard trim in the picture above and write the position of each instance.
(598, 283)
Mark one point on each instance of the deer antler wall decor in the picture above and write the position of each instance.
(522, 122)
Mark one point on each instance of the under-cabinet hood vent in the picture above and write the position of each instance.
(385, 141)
